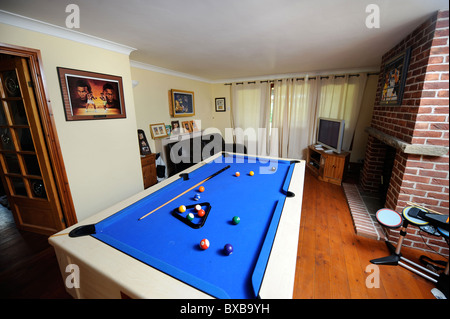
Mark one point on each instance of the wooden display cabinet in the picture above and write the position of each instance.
(148, 170)
(326, 166)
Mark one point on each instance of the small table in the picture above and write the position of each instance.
(159, 256)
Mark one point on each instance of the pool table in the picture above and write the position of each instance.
(145, 247)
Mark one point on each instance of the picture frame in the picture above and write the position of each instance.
(394, 79)
(187, 127)
(220, 104)
(169, 129)
(183, 103)
(195, 125)
(144, 147)
(158, 130)
(91, 96)
(175, 127)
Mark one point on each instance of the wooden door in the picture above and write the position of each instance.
(26, 171)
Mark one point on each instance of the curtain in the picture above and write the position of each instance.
(285, 125)
(340, 98)
(250, 115)
(293, 117)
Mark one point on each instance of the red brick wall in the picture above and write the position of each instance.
(423, 118)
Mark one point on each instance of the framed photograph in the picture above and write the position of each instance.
(158, 130)
(183, 103)
(175, 127)
(143, 143)
(195, 125)
(220, 104)
(394, 78)
(187, 127)
(91, 96)
(169, 129)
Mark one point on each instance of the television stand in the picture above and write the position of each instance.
(327, 166)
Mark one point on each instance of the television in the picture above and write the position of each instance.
(330, 133)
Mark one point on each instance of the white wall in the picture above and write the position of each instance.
(101, 156)
(151, 97)
(222, 120)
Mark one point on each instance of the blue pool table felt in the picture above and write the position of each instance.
(169, 245)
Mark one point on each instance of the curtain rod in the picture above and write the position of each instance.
(301, 79)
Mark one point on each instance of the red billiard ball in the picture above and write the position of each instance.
(204, 244)
(201, 213)
(201, 189)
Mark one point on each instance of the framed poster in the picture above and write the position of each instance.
(183, 103)
(394, 78)
(91, 96)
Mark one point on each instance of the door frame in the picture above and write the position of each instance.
(48, 126)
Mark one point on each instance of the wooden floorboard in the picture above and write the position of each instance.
(332, 260)
(28, 265)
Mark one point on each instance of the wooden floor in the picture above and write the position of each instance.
(28, 266)
(331, 260)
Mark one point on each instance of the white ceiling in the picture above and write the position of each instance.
(223, 40)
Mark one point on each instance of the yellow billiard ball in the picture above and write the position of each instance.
(182, 209)
(251, 173)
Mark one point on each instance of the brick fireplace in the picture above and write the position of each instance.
(417, 131)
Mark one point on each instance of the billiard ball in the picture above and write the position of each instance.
(198, 207)
(236, 220)
(201, 213)
(273, 169)
(182, 209)
(204, 244)
(228, 249)
(190, 216)
(237, 174)
(251, 173)
(201, 189)
(197, 197)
